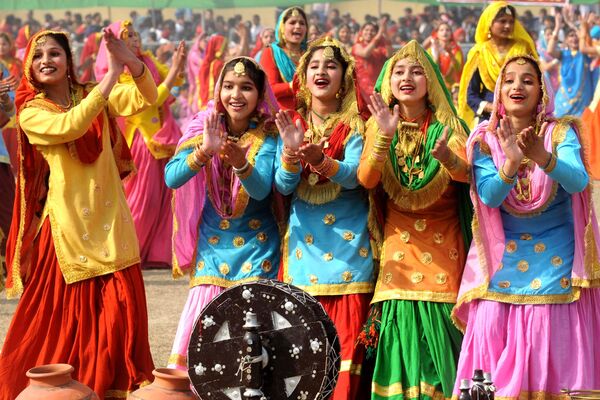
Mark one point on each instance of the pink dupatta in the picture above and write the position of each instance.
(488, 244)
(190, 198)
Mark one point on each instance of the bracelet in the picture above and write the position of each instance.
(192, 163)
(551, 164)
(288, 156)
(327, 168)
(508, 180)
(203, 156)
(241, 170)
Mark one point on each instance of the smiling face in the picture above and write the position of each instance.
(4, 47)
(444, 32)
(267, 37)
(132, 40)
(344, 34)
(294, 29)
(49, 63)
(239, 96)
(324, 76)
(368, 33)
(521, 89)
(408, 82)
(572, 40)
(503, 26)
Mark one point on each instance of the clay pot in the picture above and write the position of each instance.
(54, 382)
(169, 384)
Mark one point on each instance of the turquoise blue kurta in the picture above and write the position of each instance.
(538, 256)
(241, 249)
(576, 84)
(326, 249)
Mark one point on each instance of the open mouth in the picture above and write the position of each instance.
(407, 89)
(321, 83)
(297, 35)
(236, 105)
(517, 98)
(47, 70)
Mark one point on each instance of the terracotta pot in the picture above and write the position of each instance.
(54, 382)
(169, 384)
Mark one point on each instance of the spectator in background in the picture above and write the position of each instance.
(313, 32)
(256, 28)
(264, 39)
(370, 51)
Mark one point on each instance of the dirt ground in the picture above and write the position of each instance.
(165, 298)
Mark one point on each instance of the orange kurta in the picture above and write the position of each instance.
(423, 251)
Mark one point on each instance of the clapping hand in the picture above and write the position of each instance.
(440, 150)
(214, 137)
(234, 154)
(312, 153)
(508, 141)
(291, 134)
(386, 120)
(531, 144)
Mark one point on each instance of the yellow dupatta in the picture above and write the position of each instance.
(485, 57)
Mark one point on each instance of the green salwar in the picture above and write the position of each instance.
(417, 351)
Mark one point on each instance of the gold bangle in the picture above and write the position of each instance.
(453, 162)
(192, 163)
(505, 178)
(551, 164)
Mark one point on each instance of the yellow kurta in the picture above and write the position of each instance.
(91, 223)
(150, 120)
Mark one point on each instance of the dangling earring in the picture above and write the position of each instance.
(489, 35)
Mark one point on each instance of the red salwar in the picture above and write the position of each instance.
(348, 313)
(99, 326)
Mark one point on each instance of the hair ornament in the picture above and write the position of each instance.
(295, 13)
(239, 69)
(521, 61)
(328, 53)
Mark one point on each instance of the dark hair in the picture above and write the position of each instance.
(256, 75)
(290, 12)
(536, 67)
(63, 42)
(372, 24)
(508, 10)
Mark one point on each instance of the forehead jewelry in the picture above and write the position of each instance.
(328, 53)
(295, 12)
(41, 40)
(521, 61)
(239, 69)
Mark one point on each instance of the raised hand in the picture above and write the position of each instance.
(508, 142)
(115, 64)
(122, 53)
(291, 134)
(532, 144)
(312, 153)
(213, 137)
(386, 120)
(440, 150)
(179, 57)
(234, 154)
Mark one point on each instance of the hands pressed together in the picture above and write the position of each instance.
(292, 135)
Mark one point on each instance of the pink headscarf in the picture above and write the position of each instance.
(488, 233)
(120, 28)
(190, 198)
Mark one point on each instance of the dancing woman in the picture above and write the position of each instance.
(326, 247)
(280, 59)
(499, 36)
(224, 230)
(416, 150)
(528, 296)
(73, 254)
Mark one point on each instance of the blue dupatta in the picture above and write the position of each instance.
(284, 63)
(576, 89)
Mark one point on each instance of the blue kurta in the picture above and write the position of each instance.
(576, 84)
(326, 249)
(234, 250)
(538, 256)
